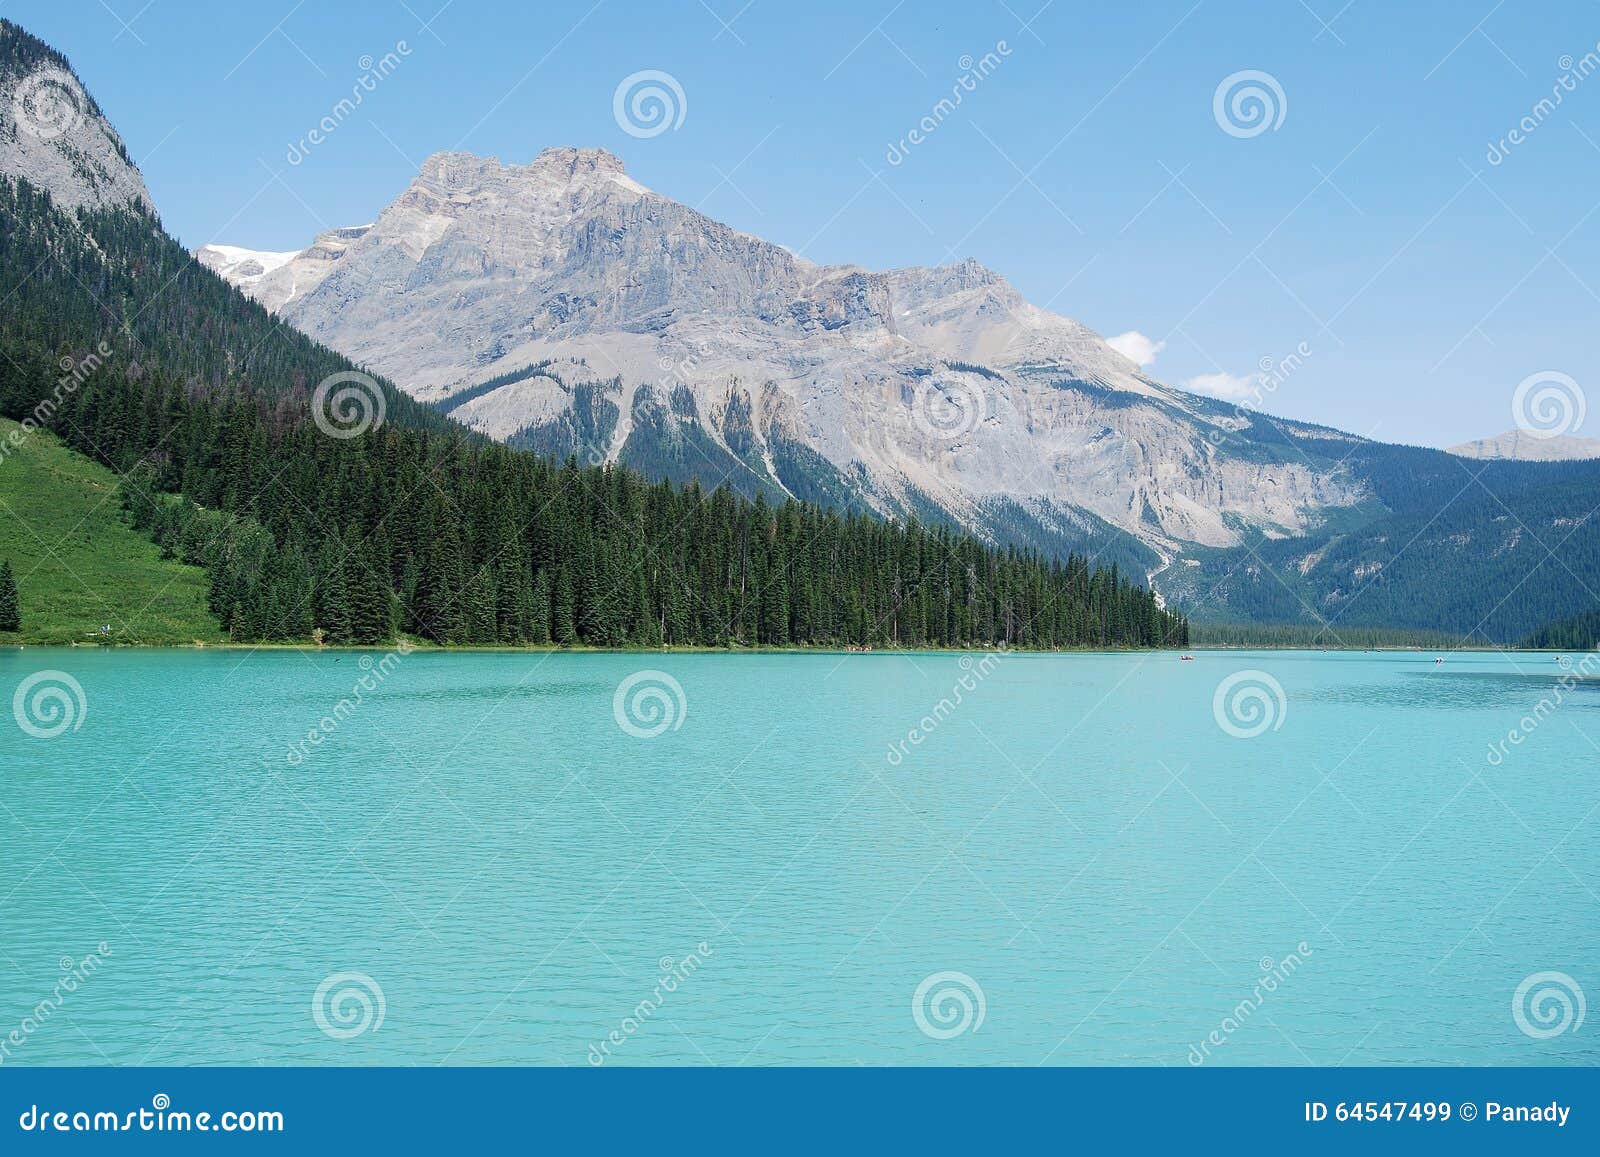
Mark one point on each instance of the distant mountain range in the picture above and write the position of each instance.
(1524, 447)
(564, 306)
(560, 306)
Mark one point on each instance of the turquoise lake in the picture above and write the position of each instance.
(1074, 859)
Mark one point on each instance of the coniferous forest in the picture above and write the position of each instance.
(119, 343)
(1579, 633)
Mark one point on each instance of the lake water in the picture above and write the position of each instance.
(1076, 859)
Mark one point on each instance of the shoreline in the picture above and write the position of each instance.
(415, 647)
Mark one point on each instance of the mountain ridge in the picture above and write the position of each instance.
(912, 390)
(1522, 446)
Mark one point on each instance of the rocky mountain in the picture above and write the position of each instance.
(1525, 447)
(563, 305)
(55, 133)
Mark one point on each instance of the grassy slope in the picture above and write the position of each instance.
(80, 565)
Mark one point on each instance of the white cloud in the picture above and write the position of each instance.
(1231, 387)
(1137, 348)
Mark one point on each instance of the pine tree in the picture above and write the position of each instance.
(10, 603)
(371, 597)
(333, 592)
(480, 606)
(539, 611)
(564, 614)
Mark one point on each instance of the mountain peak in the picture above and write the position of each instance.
(552, 170)
(52, 133)
(579, 160)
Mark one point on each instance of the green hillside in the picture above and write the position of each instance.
(79, 564)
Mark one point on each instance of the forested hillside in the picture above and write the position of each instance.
(142, 360)
(1487, 551)
(1579, 633)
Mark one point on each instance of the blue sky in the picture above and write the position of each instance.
(1367, 225)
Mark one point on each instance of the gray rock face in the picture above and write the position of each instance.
(906, 388)
(53, 134)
